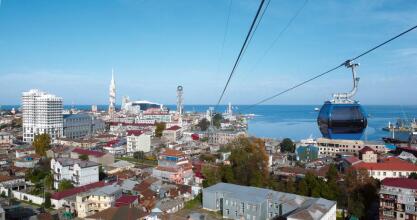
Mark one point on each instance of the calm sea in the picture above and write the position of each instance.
(299, 121)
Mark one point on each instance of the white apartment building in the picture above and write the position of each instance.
(331, 147)
(42, 113)
(224, 137)
(6, 138)
(137, 141)
(98, 200)
(172, 134)
(391, 167)
(79, 172)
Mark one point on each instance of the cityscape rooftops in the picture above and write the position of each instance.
(134, 132)
(131, 124)
(172, 152)
(391, 163)
(88, 152)
(76, 190)
(174, 128)
(400, 182)
(126, 200)
(303, 207)
(352, 160)
(366, 149)
(123, 212)
(107, 190)
(64, 161)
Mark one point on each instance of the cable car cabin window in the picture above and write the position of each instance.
(347, 119)
(323, 119)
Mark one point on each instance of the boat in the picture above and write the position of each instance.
(316, 109)
(401, 132)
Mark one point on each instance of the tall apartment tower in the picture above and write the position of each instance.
(42, 113)
(112, 95)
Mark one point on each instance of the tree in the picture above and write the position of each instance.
(83, 157)
(42, 144)
(139, 155)
(227, 174)
(362, 192)
(413, 175)
(332, 174)
(160, 127)
(207, 157)
(47, 203)
(211, 175)
(101, 174)
(203, 124)
(287, 145)
(249, 161)
(303, 188)
(49, 181)
(64, 185)
(290, 186)
(217, 119)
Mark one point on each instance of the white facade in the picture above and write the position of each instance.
(162, 117)
(331, 147)
(116, 150)
(42, 113)
(389, 173)
(79, 172)
(6, 138)
(98, 200)
(137, 143)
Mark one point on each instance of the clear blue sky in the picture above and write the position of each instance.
(69, 48)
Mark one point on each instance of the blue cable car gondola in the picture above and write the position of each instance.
(342, 117)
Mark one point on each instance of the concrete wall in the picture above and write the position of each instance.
(27, 197)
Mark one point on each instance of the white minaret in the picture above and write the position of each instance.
(180, 106)
(112, 94)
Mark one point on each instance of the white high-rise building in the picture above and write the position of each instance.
(112, 94)
(42, 113)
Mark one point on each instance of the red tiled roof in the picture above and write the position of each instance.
(352, 160)
(145, 184)
(167, 169)
(134, 132)
(174, 128)
(195, 137)
(366, 149)
(400, 182)
(76, 190)
(89, 152)
(391, 163)
(125, 200)
(112, 142)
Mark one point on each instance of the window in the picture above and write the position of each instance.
(384, 173)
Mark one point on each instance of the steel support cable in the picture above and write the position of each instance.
(289, 23)
(241, 51)
(332, 69)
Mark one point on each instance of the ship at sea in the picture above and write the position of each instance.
(402, 131)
